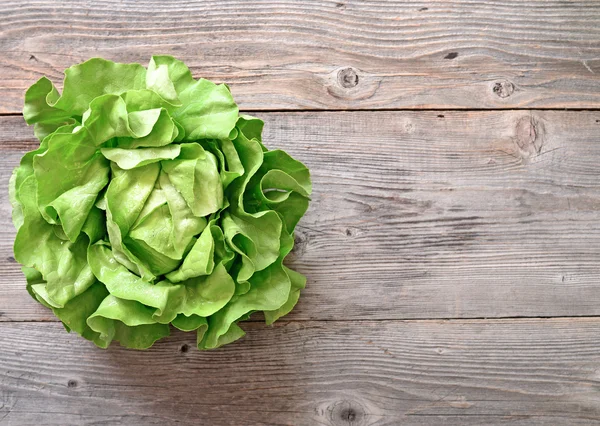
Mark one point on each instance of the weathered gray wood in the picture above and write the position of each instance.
(523, 372)
(421, 214)
(343, 54)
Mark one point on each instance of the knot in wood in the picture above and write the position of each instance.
(503, 89)
(346, 413)
(529, 136)
(347, 78)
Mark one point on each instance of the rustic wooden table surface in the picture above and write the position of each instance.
(452, 247)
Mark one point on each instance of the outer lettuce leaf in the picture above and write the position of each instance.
(191, 323)
(39, 109)
(150, 201)
(168, 77)
(70, 175)
(269, 290)
(281, 184)
(208, 111)
(38, 244)
(125, 321)
(94, 78)
(297, 283)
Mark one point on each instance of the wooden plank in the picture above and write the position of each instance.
(323, 54)
(421, 214)
(523, 372)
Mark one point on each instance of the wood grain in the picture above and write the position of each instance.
(325, 54)
(420, 214)
(522, 372)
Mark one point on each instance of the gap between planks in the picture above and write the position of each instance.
(355, 320)
(316, 110)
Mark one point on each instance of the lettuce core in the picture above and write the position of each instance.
(151, 201)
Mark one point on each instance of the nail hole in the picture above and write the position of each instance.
(184, 348)
(72, 383)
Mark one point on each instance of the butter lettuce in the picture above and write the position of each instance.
(151, 201)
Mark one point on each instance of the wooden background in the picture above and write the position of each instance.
(452, 247)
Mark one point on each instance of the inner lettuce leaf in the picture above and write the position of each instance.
(151, 201)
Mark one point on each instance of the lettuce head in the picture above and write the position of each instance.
(152, 202)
